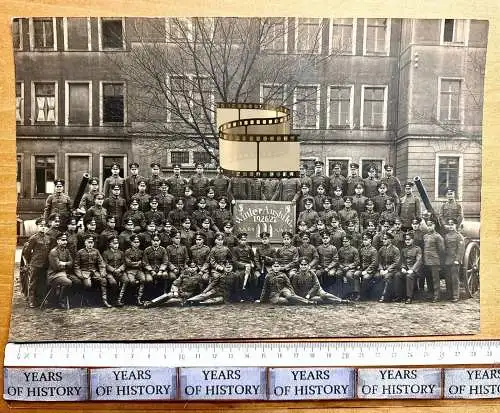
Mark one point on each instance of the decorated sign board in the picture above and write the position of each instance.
(254, 217)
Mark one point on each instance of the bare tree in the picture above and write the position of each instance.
(173, 83)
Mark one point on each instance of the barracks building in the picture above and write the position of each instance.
(410, 94)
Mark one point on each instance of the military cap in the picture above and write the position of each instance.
(452, 220)
(71, 219)
(320, 185)
(320, 221)
(337, 188)
(99, 195)
(94, 181)
(219, 235)
(304, 235)
(409, 183)
(430, 221)
(397, 219)
(308, 201)
(192, 264)
(201, 235)
(176, 165)
(186, 219)
(228, 263)
(327, 200)
(153, 199)
(384, 221)
(372, 168)
(350, 223)
(129, 221)
(206, 219)
(153, 164)
(381, 183)
(115, 164)
(115, 186)
(319, 163)
(286, 233)
(367, 236)
(348, 198)
(305, 184)
(325, 234)
(197, 164)
(228, 224)
(408, 235)
(389, 201)
(241, 235)
(388, 234)
(388, 166)
(168, 222)
(134, 238)
(369, 201)
(142, 181)
(59, 182)
(264, 234)
(163, 182)
(354, 165)
(223, 198)
(132, 164)
(303, 261)
(134, 201)
(415, 221)
(90, 220)
(61, 235)
(110, 217)
(112, 238)
(202, 199)
(88, 236)
(174, 233)
(39, 220)
(450, 189)
(346, 238)
(337, 165)
(54, 216)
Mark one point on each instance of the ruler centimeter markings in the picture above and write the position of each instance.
(269, 354)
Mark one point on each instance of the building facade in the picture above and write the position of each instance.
(403, 91)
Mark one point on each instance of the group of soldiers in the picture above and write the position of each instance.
(172, 241)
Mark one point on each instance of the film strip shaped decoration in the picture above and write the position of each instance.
(255, 141)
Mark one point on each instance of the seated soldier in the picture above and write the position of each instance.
(368, 267)
(89, 266)
(207, 232)
(297, 238)
(166, 235)
(265, 254)
(219, 254)
(155, 262)
(115, 267)
(230, 240)
(146, 237)
(347, 213)
(388, 263)
(308, 251)
(243, 262)
(385, 226)
(327, 213)
(177, 215)
(133, 266)
(353, 234)
(154, 214)
(199, 254)
(309, 215)
(287, 255)
(187, 285)
(278, 289)
(108, 232)
(126, 234)
(328, 260)
(187, 233)
(54, 229)
(221, 215)
(369, 214)
(398, 234)
(411, 262)
(371, 229)
(348, 263)
(60, 269)
(136, 216)
(178, 256)
(221, 287)
(336, 233)
(306, 285)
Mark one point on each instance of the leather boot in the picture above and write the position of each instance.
(119, 302)
(104, 297)
(139, 294)
(62, 300)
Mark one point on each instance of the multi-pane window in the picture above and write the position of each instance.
(274, 34)
(180, 29)
(107, 163)
(339, 108)
(342, 36)
(454, 31)
(43, 33)
(202, 157)
(113, 104)
(367, 163)
(19, 102)
(272, 94)
(448, 174)
(374, 107)
(306, 107)
(45, 102)
(78, 103)
(192, 99)
(308, 35)
(449, 100)
(377, 32)
(44, 174)
(17, 34)
(77, 33)
(179, 157)
(112, 34)
(344, 166)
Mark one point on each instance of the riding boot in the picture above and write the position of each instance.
(104, 297)
(62, 299)
(119, 302)
(139, 294)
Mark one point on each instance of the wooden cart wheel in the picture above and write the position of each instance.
(471, 268)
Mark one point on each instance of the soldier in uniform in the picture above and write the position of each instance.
(114, 179)
(114, 259)
(58, 203)
(302, 197)
(398, 234)
(454, 251)
(200, 213)
(88, 198)
(177, 183)
(90, 227)
(368, 266)
(207, 233)
(371, 182)
(303, 177)
(271, 188)
(177, 215)
(367, 215)
(229, 238)
(98, 212)
(319, 197)
(221, 215)
(221, 185)
(154, 214)
(254, 188)
(72, 236)
(265, 254)
(337, 179)
(178, 256)
(392, 183)
(347, 214)
(166, 201)
(220, 288)
(155, 180)
(243, 262)
(155, 263)
(108, 232)
(54, 229)
(212, 203)
(305, 283)
(450, 209)
(433, 251)
(219, 254)
(381, 198)
(328, 260)
(134, 269)
(337, 199)
(136, 216)
(146, 237)
(353, 179)
(308, 215)
(308, 251)
(199, 183)
(89, 266)
(187, 233)
(327, 213)
(287, 255)
(336, 233)
(141, 196)
(385, 226)
(166, 235)
(199, 254)
(354, 236)
(389, 257)
(358, 199)
(131, 182)
(409, 207)
(278, 289)
(189, 201)
(60, 266)
(348, 263)
(389, 213)
(116, 206)
(239, 188)
(319, 178)
(290, 188)
(317, 236)
(411, 262)
(126, 234)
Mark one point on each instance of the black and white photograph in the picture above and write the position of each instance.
(229, 178)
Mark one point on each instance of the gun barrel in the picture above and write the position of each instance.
(423, 194)
(81, 190)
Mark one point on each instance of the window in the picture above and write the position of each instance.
(454, 31)
(180, 29)
(274, 34)
(19, 174)
(377, 36)
(192, 99)
(272, 94)
(340, 107)
(44, 174)
(306, 107)
(77, 33)
(17, 34)
(377, 163)
(308, 162)
(308, 35)
(78, 103)
(343, 36)
(449, 107)
(203, 157)
(374, 106)
(108, 161)
(113, 103)
(111, 34)
(45, 102)
(344, 165)
(43, 33)
(20, 102)
(179, 157)
(448, 174)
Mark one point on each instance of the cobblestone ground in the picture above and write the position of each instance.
(243, 320)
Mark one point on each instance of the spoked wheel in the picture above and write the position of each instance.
(471, 268)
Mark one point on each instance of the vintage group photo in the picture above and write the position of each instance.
(130, 227)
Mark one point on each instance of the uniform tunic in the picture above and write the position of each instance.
(219, 255)
(155, 259)
(388, 258)
(221, 185)
(274, 284)
(290, 187)
(454, 244)
(177, 185)
(242, 255)
(199, 254)
(58, 203)
(143, 199)
(338, 180)
(114, 260)
(451, 210)
(305, 283)
(328, 256)
(166, 203)
(310, 253)
(411, 258)
(130, 186)
(368, 259)
(154, 183)
(99, 214)
(116, 207)
(60, 262)
(349, 257)
(239, 188)
(178, 256)
(89, 260)
(137, 218)
(409, 208)
(110, 182)
(393, 185)
(370, 185)
(433, 248)
(271, 189)
(288, 257)
(351, 183)
(199, 184)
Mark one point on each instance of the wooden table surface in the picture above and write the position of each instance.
(490, 306)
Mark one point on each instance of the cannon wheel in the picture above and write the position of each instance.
(471, 268)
